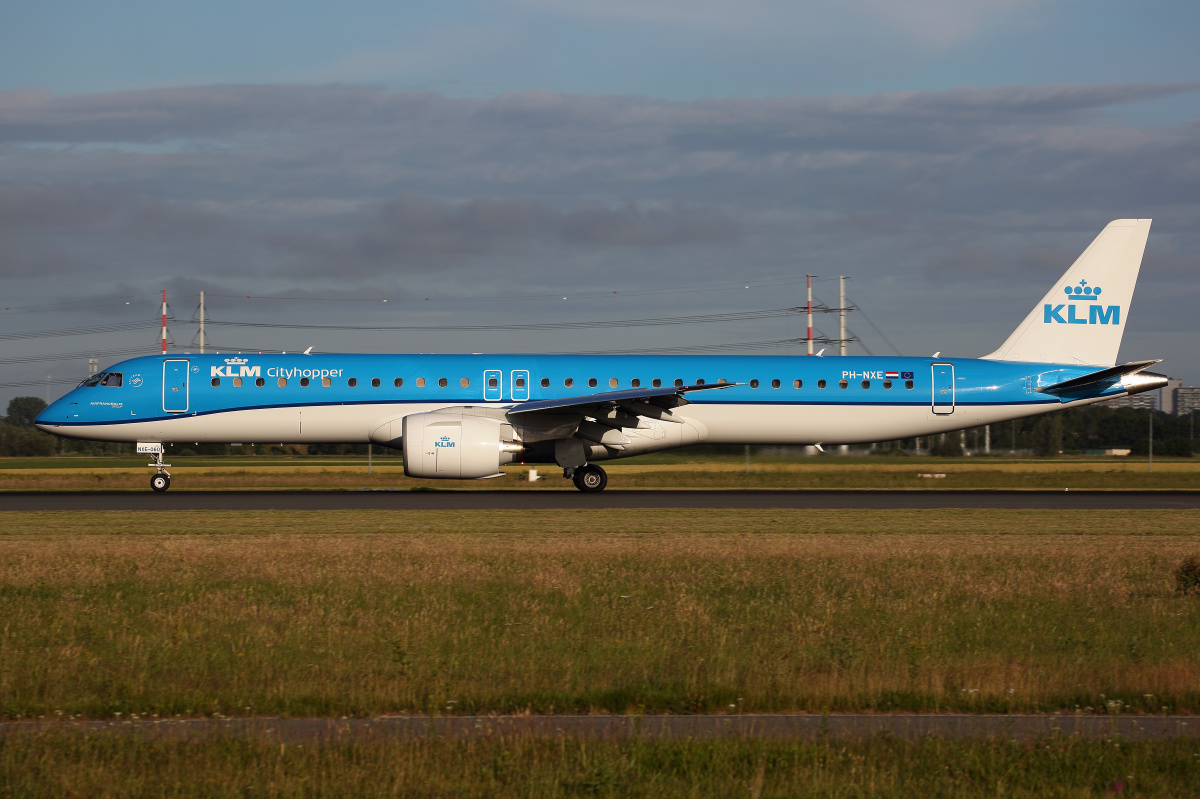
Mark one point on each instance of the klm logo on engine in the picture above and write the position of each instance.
(1077, 295)
(235, 367)
(444, 441)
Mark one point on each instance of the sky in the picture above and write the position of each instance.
(533, 162)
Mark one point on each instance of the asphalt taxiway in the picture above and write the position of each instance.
(543, 499)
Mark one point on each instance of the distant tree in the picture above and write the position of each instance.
(947, 446)
(23, 410)
(1048, 436)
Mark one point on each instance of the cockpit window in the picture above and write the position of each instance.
(103, 379)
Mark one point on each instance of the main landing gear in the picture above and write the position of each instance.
(161, 481)
(588, 479)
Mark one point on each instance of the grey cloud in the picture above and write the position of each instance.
(413, 231)
(924, 198)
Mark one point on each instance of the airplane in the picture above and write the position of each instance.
(464, 416)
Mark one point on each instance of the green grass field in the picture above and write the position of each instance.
(356, 613)
(102, 765)
(108, 615)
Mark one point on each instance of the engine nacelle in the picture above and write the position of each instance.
(453, 446)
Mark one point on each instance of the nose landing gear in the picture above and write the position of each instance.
(590, 479)
(161, 481)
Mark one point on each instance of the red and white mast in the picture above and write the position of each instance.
(164, 323)
(810, 314)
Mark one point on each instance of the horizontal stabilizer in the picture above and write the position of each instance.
(1094, 379)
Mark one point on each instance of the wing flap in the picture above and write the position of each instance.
(632, 395)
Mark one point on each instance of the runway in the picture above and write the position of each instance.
(536, 500)
(776, 726)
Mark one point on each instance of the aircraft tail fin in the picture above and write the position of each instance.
(1081, 320)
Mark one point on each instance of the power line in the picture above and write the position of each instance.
(76, 355)
(879, 332)
(78, 331)
(651, 322)
(769, 282)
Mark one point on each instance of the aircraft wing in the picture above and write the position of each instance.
(661, 398)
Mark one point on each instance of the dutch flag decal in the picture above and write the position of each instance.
(892, 375)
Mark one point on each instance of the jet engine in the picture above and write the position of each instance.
(453, 446)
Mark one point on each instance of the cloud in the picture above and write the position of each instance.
(923, 197)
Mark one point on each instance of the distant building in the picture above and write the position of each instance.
(1187, 400)
(1168, 394)
(1146, 401)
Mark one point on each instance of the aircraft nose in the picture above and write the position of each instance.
(50, 417)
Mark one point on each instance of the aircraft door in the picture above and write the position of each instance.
(520, 384)
(493, 385)
(175, 385)
(943, 388)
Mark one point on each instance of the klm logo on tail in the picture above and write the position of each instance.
(1076, 295)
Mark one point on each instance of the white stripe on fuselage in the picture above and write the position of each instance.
(725, 423)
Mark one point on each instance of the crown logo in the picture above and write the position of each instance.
(1082, 292)
(235, 361)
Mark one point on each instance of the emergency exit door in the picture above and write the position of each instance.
(493, 385)
(943, 388)
(520, 384)
(175, 385)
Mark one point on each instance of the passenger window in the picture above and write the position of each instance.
(216, 381)
(754, 384)
(493, 382)
(700, 382)
(887, 383)
(465, 382)
(636, 383)
(545, 382)
(570, 381)
(282, 382)
(352, 382)
(612, 382)
(237, 382)
(797, 384)
(520, 382)
(398, 382)
(908, 384)
(678, 382)
(843, 384)
(260, 382)
(374, 382)
(420, 382)
(443, 382)
(866, 384)
(775, 384)
(591, 382)
(820, 384)
(657, 383)
(325, 382)
(304, 382)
